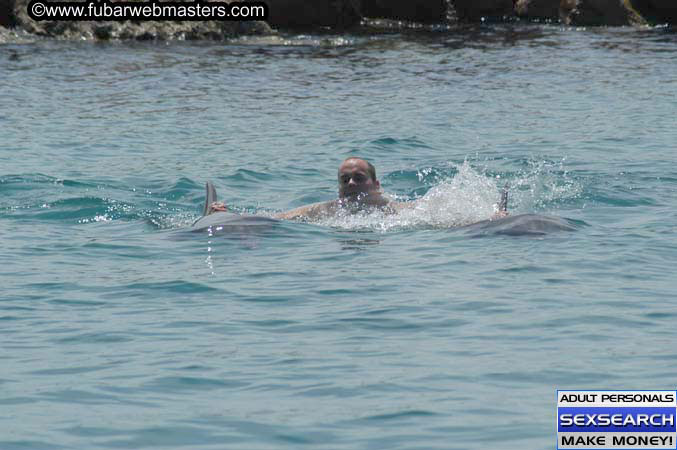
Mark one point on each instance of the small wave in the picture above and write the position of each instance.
(300, 40)
(446, 195)
(163, 221)
(40, 197)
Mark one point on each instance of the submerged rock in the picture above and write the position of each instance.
(599, 12)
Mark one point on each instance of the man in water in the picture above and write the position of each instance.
(358, 190)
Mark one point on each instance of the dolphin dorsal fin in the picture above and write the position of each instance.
(210, 197)
(503, 205)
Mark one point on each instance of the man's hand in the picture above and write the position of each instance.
(499, 215)
(217, 207)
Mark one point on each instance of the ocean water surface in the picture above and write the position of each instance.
(118, 329)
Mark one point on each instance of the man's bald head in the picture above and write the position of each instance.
(356, 178)
(370, 167)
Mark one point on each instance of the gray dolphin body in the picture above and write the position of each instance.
(227, 222)
(521, 225)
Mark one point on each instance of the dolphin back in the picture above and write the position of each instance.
(228, 222)
(523, 225)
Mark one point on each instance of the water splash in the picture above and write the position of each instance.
(445, 195)
(468, 197)
(541, 185)
(462, 194)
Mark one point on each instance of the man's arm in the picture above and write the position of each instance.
(304, 212)
(502, 205)
(314, 211)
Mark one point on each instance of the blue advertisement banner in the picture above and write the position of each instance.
(616, 419)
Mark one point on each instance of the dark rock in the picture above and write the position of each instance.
(423, 11)
(473, 10)
(103, 32)
(599, 12)
(7, 18)
(538, 9)
(313, 13)
(657, 11)
(146, 36)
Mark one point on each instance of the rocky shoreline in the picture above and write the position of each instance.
(341, 15)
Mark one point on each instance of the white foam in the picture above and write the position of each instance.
(466, 198)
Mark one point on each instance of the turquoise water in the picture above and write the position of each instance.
(119, 330)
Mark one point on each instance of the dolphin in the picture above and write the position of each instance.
(228, 222)
(521, 225)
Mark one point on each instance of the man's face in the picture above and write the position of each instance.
(354, 179)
